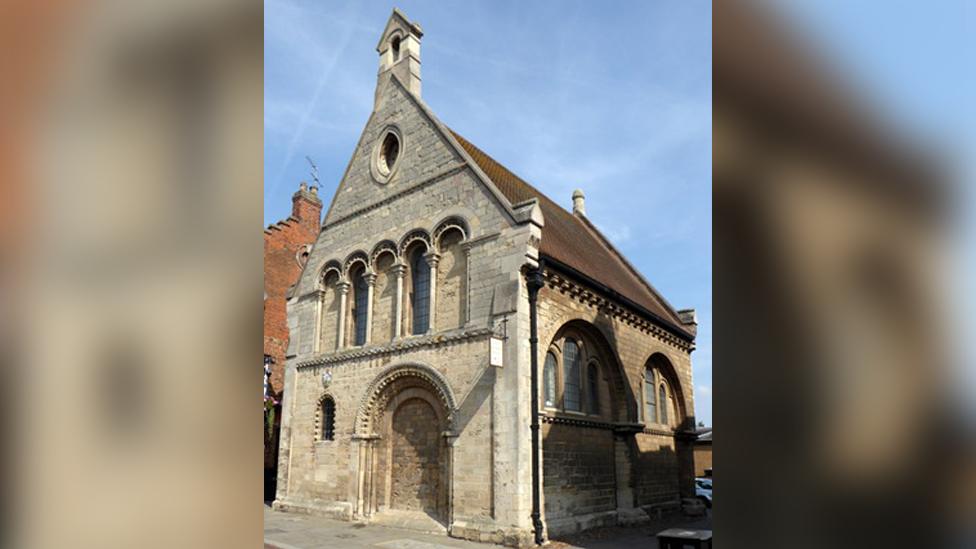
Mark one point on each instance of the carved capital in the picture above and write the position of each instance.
(343, 287)
(433, 258)
(370, 278)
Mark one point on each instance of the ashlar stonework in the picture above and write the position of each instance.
(421, 261)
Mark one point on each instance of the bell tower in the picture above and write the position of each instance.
(399, 49)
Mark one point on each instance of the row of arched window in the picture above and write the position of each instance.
(391, 292)
(581, 387)
(572, 381)
(659, 404)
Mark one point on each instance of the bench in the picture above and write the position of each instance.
(679, 538)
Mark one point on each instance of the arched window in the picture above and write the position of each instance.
(663, 399)
(592, 379)
(359, 316)
(549, 380)
(420, 272)
(395, 45)
(571, 376)
(650, 402)
(328, 419)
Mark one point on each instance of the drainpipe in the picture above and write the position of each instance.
(534, 282)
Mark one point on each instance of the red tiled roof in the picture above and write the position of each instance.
(574, 241)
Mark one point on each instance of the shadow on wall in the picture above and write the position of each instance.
(585, 475)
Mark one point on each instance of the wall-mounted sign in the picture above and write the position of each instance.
(495, 354)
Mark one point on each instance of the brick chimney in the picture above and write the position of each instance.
(306, 206)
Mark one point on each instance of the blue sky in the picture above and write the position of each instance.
(565, 94)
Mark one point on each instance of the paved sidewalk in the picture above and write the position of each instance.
(635, 537)
(297, 531)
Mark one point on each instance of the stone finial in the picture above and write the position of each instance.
(314, 190)
(579, 202)
(303, 186)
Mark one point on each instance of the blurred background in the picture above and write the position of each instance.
(130, 273)
(843, 135)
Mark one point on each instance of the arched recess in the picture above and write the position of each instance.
(677, 409)
(453, 222)
(452, 275)
(384, 257)
(329, 321)
(399, 376)
(592, 438)
(618, 403)
(416, 235)
(405, 425)
(330, 267)
(358, 257)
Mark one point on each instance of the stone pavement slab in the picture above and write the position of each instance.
(298, 531)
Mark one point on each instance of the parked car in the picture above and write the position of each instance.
(703, 491)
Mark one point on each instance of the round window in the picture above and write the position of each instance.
(386, 154)
(389, 151)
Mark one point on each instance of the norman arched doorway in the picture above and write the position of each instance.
(405, 429)
(415, 448)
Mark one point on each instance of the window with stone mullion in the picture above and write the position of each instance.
(571, 377)
(650, 399)
(549, 380)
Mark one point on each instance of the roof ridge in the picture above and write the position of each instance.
(503, 167)
(630, 282)
(630, 266)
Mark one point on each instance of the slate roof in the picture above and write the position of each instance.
(574, 241)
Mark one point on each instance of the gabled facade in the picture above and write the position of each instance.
(393, 411)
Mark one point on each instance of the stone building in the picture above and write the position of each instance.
(441, 290)
(287, 246)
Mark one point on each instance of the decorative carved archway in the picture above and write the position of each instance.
(395, 385)
(376, 397)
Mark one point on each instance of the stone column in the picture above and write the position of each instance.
(343, 288)
(399, 271)
(432, 259)
(370, 283)
(317, 342)
(450, 437)
(466, 299)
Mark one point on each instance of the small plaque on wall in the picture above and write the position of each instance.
(495, 358)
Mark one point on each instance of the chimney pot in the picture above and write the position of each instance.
(579, 202)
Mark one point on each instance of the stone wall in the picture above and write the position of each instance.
(663, 468)
(451, 283)
(578, 471)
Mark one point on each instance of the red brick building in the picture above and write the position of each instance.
(286, 249)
